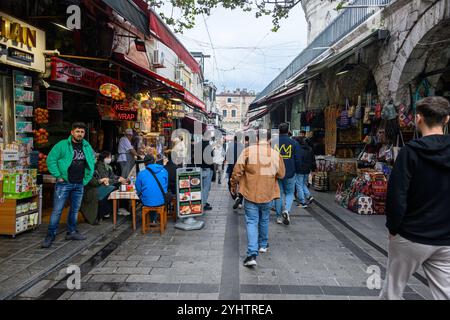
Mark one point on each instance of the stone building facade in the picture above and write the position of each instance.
(233, 106)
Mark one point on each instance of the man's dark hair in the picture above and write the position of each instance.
(79, 125)
(303, 132)
(102, 156)
(434, 110)
(149, 159)
(283, 128)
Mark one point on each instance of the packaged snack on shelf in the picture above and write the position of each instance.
(24, 127)
(24, 111)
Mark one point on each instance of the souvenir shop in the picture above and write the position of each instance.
(22, 62)
(362, 140)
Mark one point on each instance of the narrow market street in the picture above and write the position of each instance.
(323, 254)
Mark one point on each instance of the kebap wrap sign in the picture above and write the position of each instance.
(189, 193)
(21, 45)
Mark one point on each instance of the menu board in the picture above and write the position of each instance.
(189, 192)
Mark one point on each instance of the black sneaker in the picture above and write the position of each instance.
(286, 219)
(48, 242)
(310, 200)
(207, 207)
(250, 261)
(75, 236)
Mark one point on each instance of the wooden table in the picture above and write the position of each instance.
(129, 195)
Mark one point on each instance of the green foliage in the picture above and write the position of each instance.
(192, 8)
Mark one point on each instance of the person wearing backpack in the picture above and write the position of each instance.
(307, 164)
(147, 187)
(417, 207)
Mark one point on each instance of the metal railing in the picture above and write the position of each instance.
(342, 25)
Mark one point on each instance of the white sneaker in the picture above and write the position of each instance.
(280, 220)
(263, 250)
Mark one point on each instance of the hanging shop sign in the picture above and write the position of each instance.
(193, 100)
(54, 100)
(21, 45)
(70, 73)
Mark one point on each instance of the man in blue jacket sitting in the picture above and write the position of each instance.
(146, 186)
(289, 150)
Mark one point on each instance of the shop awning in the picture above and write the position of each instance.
(166, 36)
(259, 114)
(188, 123)
(132, 13)
(315, 69)
(151, 74)
(279, 96)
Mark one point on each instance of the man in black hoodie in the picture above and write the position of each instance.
(418, 206)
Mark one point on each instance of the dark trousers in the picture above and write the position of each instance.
(104, 207)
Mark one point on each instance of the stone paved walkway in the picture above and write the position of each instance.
(319, 256)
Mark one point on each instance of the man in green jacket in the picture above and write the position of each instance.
(72, 163)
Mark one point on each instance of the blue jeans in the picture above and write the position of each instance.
(287, 189)
(64, 190)
(207, 175)
(302, 187)
(257, 219)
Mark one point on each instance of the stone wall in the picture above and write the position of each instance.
(319, 13)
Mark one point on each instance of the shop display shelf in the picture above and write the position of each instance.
(18, 215)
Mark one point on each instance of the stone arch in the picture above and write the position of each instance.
(414, 56)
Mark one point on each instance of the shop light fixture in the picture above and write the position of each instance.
(176, 99)
(347, 68)
(61, 26)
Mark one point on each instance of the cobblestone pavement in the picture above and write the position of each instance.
(323, 254)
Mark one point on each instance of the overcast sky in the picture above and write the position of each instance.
(247, 54)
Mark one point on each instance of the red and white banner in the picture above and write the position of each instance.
(70, 73)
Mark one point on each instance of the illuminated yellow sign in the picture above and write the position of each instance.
(15, 31)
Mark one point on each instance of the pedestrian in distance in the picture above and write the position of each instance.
(307, 164)
(218, 158)
(72, 163)
(127, 154)
(417, 208)
(256, 172)
(234, 150)
(289, 150)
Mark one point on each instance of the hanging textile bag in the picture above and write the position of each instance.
(344, 122)
(405, 118)
(388, 112)
(358, 110)
(378, 111)
(379, 186)
(397, 148)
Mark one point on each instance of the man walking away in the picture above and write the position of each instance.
(256, 172)
(307, 164)
(418, 202)
(127, 154)
(72, 163)
(289, 150)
